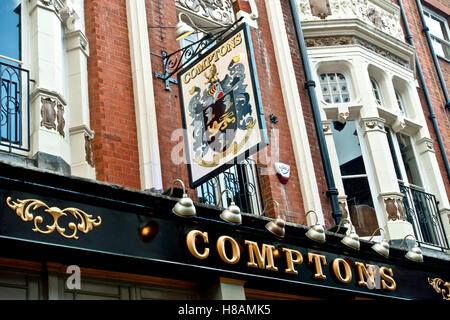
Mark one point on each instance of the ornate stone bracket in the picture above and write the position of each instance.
(48, 113)
(373, 124)
(395, 209)
(64, 10)
(88, 138)
(51, 118)
(425, 145)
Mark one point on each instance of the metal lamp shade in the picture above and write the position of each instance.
(185, 207)
(182, 30)
(232, 214)
(351, 241)
(276, 227)
(316, 233)
(415, 254)
(382, 248)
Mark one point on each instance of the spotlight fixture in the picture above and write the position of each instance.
(148, 230)
(381, 247)
(316, 232)
(232, 214)
(415, 254)
(351, 240)
(277, 226)
(185, 206)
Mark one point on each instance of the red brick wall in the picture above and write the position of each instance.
(433, 86)
(111, 99)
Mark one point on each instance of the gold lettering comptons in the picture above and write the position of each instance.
(213, 57)
(318, 261)
(261, 256)
(337, 271)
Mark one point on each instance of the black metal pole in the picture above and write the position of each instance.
(423, 84)
(332, 191)
(426, 30)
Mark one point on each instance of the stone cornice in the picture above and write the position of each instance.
(356, 32)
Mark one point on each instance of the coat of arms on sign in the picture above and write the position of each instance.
(221, 107)
(218, 112)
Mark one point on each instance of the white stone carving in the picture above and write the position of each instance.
(218, 11)
(381, 14)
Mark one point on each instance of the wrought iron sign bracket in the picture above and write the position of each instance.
(165, 76)
(174, 62)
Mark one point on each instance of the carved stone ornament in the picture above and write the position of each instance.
(372, 12)
(88, 137)
(219, 11)
(395, 209)
(46, 2)
(320, 8)
(48, 113)
(61, 121)
(402, 210)
(352, 40)
(391, 209)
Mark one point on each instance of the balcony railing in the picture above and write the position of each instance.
(15, 108)
(242, 180)
(423, 213)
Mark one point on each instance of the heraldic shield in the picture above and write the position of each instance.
(220, 123)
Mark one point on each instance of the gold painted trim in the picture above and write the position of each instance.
(22, 208)
(436, 284)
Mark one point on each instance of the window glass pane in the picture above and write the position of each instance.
(10, 28)
(360, 206)
(376, 91)
(409, 159)
(348, 148)
(400, 102)
(437, 27)
(357, 191)
(334, 88)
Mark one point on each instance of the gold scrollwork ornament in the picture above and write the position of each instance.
(23, 207)
(436, 284)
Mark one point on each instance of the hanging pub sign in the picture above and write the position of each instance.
(221, 107)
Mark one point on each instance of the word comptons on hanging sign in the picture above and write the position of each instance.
(367, 275)
(221, 107)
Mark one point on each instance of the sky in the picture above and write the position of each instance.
(9, 30)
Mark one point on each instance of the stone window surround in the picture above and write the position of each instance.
(391, 116)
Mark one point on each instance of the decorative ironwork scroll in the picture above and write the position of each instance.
(22, 209)
(436, 283)
(218, 11)
(176, 60)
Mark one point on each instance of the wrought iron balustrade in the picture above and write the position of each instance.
(15, 107)
(423, 213)
(242, 180)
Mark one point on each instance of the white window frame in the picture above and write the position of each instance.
(445, 49)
